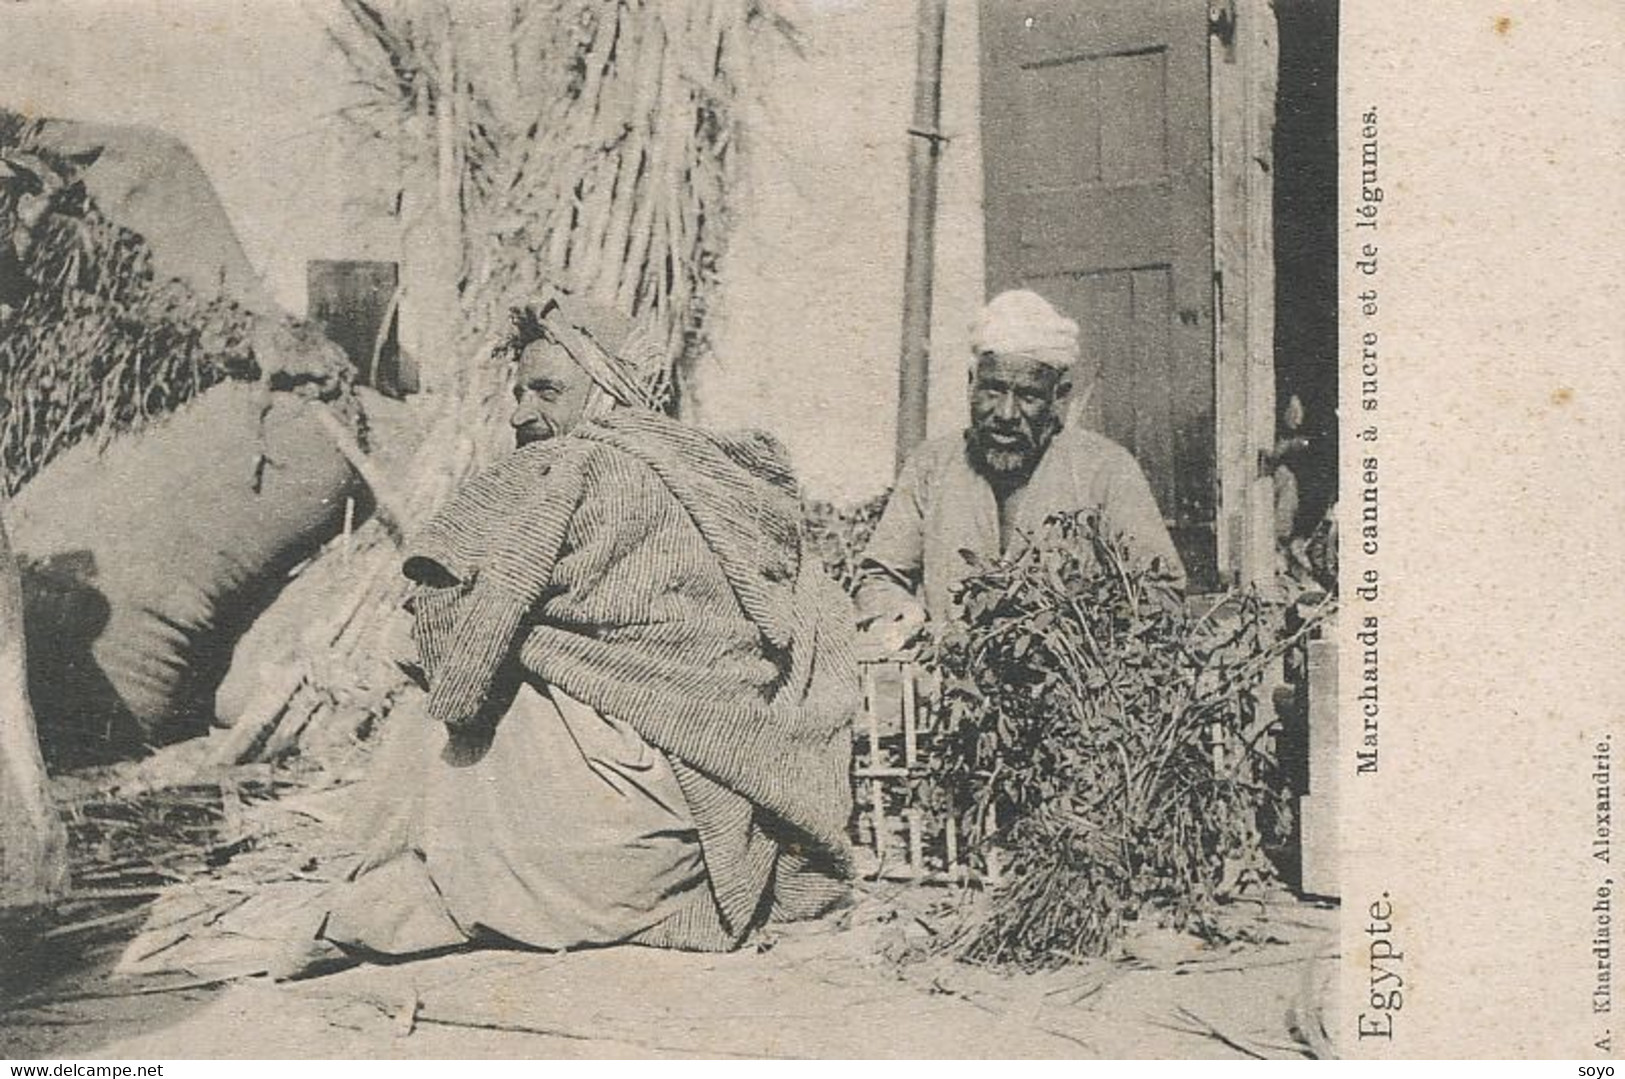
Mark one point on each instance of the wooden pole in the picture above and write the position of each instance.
(33, 842)
(913, 377)
(1242, 85)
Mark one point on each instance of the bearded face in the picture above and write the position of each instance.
(1016, 404)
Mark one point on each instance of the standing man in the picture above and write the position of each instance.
(1017, 464)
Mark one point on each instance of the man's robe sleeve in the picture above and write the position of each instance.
(500, 594)
(892, 566)
(1131, 511)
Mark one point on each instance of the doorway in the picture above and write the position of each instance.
(1306, 341)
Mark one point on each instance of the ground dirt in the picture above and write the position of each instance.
(860, 984)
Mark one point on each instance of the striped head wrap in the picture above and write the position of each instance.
(624, 358)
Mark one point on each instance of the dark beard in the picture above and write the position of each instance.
(1005, 468)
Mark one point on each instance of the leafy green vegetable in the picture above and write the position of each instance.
(1106, 742)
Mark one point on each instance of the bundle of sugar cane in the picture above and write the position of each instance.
(594, 155)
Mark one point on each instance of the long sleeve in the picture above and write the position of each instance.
(1131, 511)
(889, 574)
(500, 594)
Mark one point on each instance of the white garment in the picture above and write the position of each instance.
(564, 829)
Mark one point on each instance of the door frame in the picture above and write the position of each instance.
(1243, 53)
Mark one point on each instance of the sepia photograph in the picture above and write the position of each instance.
(579, 529)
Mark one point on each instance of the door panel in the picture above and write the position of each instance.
(1098, 195)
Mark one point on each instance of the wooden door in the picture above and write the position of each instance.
(354, 303)
(1095, 140)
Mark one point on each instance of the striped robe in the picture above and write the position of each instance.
(653, 571)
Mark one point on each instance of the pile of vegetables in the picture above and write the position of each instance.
(1105, 744)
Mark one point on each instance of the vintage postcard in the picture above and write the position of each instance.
(542, 529)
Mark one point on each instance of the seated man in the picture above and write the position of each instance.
(1016, 465)
(638, 692)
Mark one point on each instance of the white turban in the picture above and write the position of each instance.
(1022, 323)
